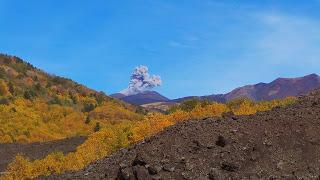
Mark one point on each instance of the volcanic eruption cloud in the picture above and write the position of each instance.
(141, 81)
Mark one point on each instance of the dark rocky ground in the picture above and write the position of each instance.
(36, 150)
(280, 144)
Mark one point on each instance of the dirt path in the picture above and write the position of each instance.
(280, 144)
(36, 150)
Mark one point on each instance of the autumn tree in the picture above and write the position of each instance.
(88, 107)
(88, 120)
(4, 101)
(11, 88)
(29, 94)
(4, 90)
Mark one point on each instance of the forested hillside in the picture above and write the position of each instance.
(36, 106)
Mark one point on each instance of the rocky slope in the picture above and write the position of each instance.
(280, 144)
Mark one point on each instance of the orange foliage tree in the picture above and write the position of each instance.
(4, 90)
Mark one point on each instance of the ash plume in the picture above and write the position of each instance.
(141, 81)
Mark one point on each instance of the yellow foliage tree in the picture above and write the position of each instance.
(4, 90)
(20, 168)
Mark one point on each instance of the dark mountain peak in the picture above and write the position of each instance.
(260, 84)
(307, 77)
(313, 75)
(145, 97)
(118, 95)
(149, 93)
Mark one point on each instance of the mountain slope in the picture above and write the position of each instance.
(280, 144)
(36, 106)
(277, 89)
(23, 79)
(217, 98)
(141, 98)
(118, 95)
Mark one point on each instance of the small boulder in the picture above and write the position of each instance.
(168, 168)
(228, 115)
(153, 170)
(221, 141)
(139, 160)
(126, 174)
(217, 174)
(229, 167)
(141, 173)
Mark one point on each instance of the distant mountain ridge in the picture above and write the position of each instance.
(141, 98)
(277, 89)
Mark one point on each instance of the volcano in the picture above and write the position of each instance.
(141, 98)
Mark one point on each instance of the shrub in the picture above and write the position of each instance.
(100, 97)
(88, 107)
(74, 98)
(29, 94)
(55, 100)
(189, 105)
(4, 101)
(19, 168)
(97, 127)
(3, 73)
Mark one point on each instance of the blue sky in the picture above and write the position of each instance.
(197, 47)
